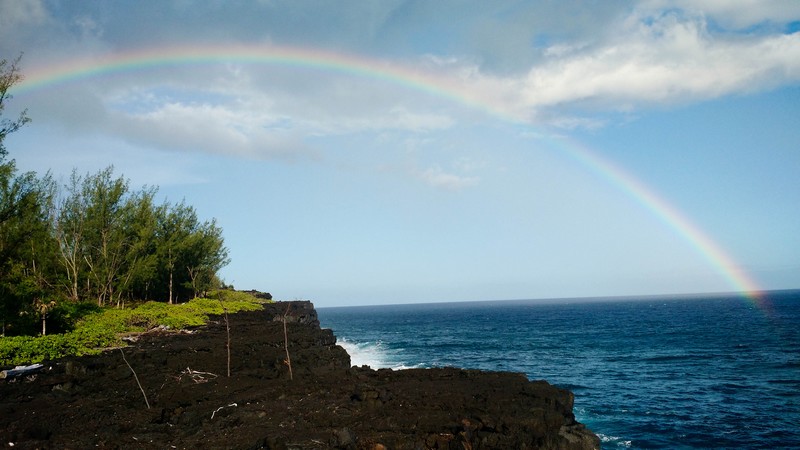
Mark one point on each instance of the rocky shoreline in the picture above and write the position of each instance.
(96, 401)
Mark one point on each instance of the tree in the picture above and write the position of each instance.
(189, 252)
(105, 238)
(175, 226)
(115, 244)
(68, 226)
(25, 241)
(207, 256)
(9, 76)
(140, 265)
(26, 245)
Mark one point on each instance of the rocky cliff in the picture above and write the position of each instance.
(98, 402)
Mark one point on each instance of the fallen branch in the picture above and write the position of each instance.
(197, 376)
(136, 377)
(20, 370)
(217, 410)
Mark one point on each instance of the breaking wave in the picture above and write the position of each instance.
(376, 355)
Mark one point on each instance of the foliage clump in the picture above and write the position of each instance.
(103, 328)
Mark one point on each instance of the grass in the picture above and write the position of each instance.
(103, 329)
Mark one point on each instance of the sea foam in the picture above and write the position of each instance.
(373, 354)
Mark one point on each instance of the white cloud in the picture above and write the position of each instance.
(397, 118)
(46, 34)
(669, 60)
(737, 14)
(21, 22)
(436, 177)
(210, 129)
(87, 27)
(566, 122)
(252, 123)
(649, 57)
(467, 164)
(21, 13)
(660, 52)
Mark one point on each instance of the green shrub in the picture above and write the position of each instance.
(66, 314)
(100, 329)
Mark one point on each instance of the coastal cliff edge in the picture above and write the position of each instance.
(323, 402)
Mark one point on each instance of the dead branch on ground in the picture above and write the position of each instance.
(196, 376)
(136, 377)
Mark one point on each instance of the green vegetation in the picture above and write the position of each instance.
(104, 327)
(94, 241)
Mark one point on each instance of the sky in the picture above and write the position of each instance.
(421, 151)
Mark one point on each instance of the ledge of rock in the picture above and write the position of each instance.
(95, 401)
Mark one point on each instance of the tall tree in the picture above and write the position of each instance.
(9, 76)
(25, 202)
(175, 226)
(68, 229)
(207, 255)
(139, 262)
(26, 246)
(106, 240)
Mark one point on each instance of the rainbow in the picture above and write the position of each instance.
(142, 60)
(450, 88)
(671, 217)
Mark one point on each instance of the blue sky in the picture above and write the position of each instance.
(346, 188)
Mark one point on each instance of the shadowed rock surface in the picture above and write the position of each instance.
(96, 402)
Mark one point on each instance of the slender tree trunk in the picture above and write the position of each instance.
(69, 259)
(170, 286)
(72, 272)
(171, 264)
(193, 278)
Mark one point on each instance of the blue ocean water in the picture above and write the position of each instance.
(687, 372)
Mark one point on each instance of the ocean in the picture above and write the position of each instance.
(688, 372)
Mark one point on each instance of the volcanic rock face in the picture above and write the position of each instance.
(96, 401)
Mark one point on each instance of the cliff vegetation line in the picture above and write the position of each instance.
(105, 328)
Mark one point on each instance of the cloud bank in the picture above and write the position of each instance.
(571, 70)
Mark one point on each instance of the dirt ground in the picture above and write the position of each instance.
(97, 402)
